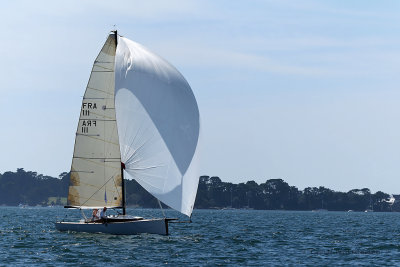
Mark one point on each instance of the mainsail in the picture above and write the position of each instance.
(96, 165)
(138, 110)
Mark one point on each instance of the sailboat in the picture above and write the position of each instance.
(322, 209)
(139, 120)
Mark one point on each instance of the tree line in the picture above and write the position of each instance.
(31, 188)
(276, 194)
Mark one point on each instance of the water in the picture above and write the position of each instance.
(216, 237)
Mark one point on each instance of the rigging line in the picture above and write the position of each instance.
(87, 185)
(102, 115)
(98, 98)
(94, 162)
(84, 216)
(77, 157)
(94, 206)
(96, 192)
(96, 89)
(92, 119)
(93, 71)
(159, 203)
(99, 66)
(144, 168)
(99, 139)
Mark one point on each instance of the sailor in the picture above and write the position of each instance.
(103, 215)
(95, 215)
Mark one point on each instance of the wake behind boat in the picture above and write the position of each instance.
(139, 119)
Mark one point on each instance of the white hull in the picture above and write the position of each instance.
(150, 226)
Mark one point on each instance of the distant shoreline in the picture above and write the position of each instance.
(27, 188)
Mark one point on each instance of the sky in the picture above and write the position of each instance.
(305, 91)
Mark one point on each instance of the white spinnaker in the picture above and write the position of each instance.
(96, 164)
(158, 125)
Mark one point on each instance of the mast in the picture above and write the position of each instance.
(123, 189)
(122, 164)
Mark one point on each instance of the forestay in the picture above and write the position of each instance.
(158, 125)
(96, 165)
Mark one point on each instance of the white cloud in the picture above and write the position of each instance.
(307, 57)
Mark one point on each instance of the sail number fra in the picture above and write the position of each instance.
(86, 108)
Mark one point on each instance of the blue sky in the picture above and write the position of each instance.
(306, 91)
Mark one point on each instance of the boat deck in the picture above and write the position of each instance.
(117, 218)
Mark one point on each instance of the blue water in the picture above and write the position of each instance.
(216, 237)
